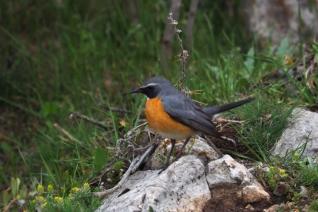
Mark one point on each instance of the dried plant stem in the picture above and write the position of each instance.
(134, 165)
(166, 45)
(77, 115)
(65, 133)
(184, 54)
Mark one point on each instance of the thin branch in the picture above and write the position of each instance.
(147, 153)
(7, 207)
(134, 165)
(77, 115)
(224, 120)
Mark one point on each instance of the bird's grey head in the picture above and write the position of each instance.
(154, 87)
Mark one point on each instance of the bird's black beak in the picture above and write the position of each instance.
(137, 90)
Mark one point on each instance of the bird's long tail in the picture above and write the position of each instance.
(212, 110)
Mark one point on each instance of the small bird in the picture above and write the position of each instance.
(172, 114)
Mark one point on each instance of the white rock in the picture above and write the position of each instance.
(227, 171)
(228, 174)
(182, 187)
(188, 185)
(302, 131)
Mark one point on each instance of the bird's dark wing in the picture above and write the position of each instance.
(182, 109)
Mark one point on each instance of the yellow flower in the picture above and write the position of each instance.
(50, 188)
(75, 190)
(40, 199)
(271, 168)
(123, 123)
(40, 188)
(86, 187)
(288, 60)
(58, 199)
(282, 172)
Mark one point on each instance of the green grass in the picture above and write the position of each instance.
(313, 206)
(84, 55)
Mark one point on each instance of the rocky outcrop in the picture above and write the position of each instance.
(181, 187)
(301, 134)
(189, 184)
(232, 185)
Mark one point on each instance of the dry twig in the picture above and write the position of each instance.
(65, 133)
(7, 207)
(77, 115)
(184, 54)
(134, 165)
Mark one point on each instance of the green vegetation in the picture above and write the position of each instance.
(58, 57)
(292, 177)
(313, 206)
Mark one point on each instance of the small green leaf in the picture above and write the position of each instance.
(15, 185)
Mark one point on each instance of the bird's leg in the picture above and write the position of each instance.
(182, 148)
(173, 143)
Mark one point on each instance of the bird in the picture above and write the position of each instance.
(174, 115)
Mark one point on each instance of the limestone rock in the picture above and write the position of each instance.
(181, 187)
(227, 171)
(189, 184)
(302, 131)
(233, 183)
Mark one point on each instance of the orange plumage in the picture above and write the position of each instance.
(162, 123)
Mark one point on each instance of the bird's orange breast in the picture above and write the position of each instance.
(162, 123)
